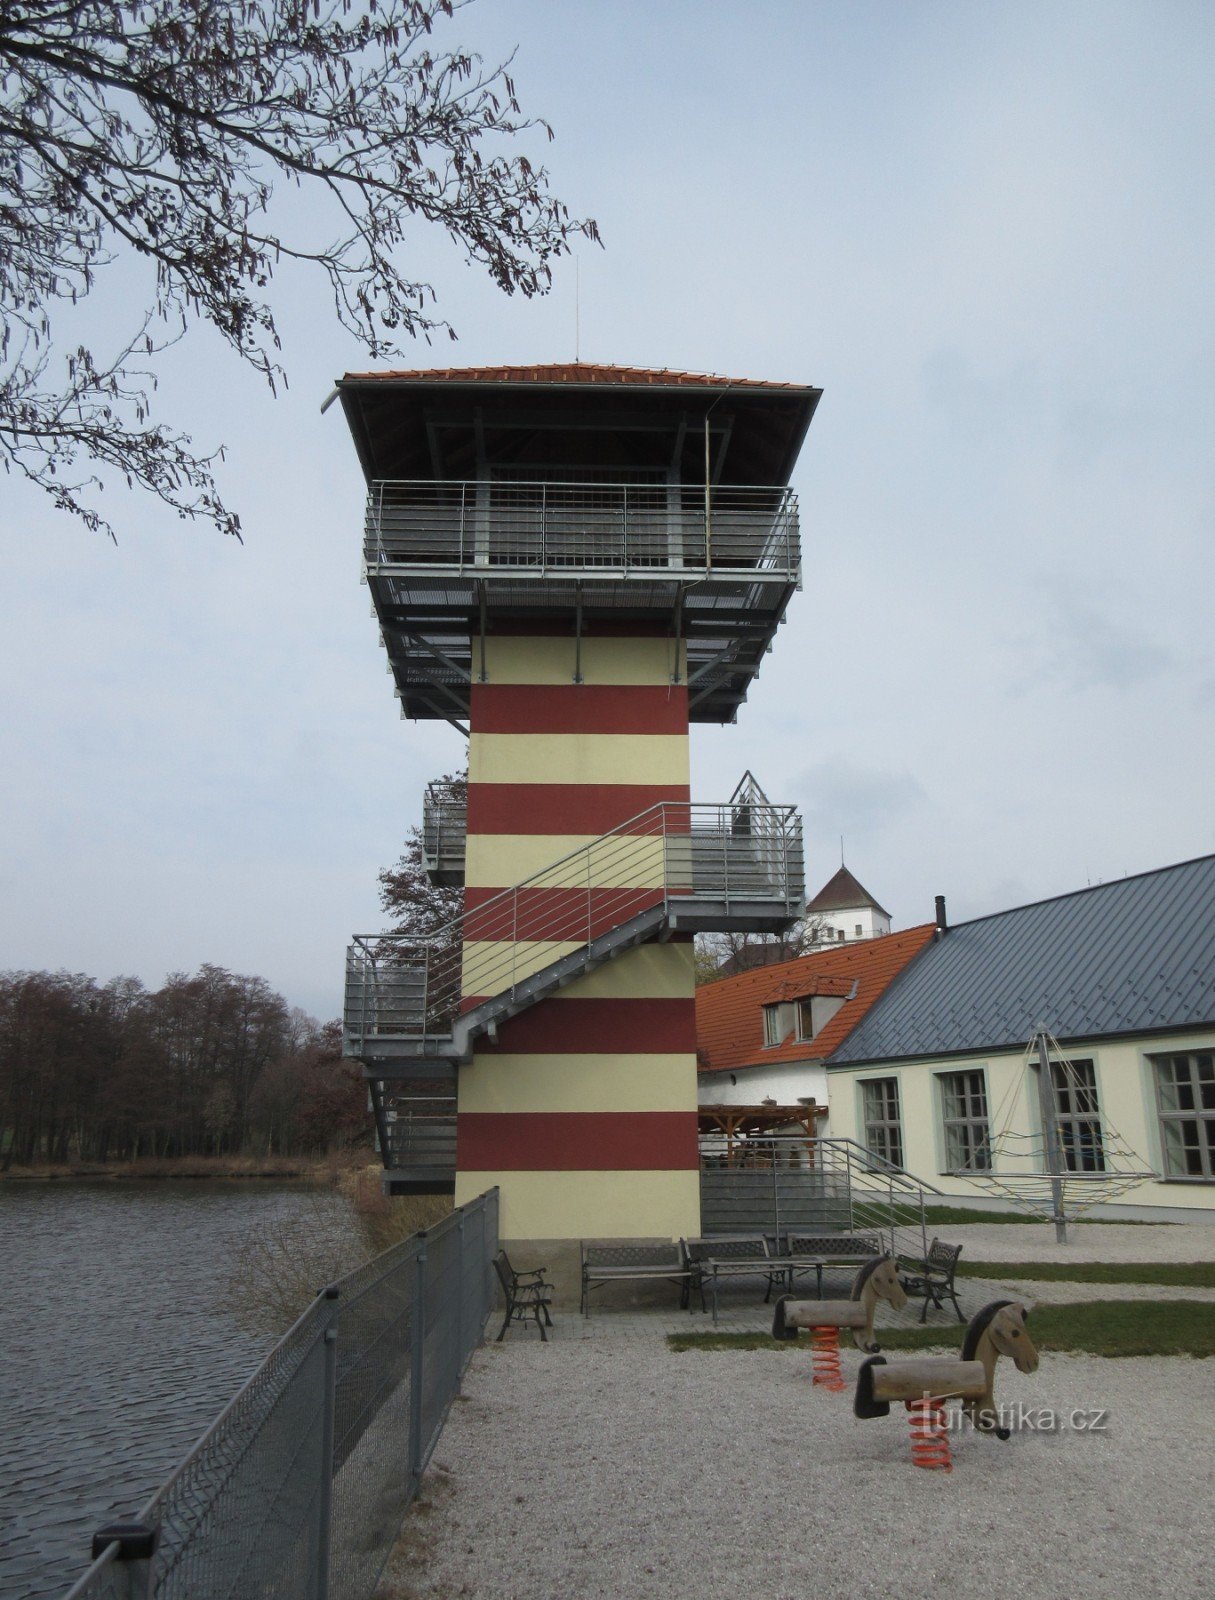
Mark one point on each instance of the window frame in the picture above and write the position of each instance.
(969, 1121)
(1197, 1113)
(1074, 1140)
(886, 1127)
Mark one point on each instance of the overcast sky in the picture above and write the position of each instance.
(986, 231)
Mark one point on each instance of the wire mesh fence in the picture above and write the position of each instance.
(298, 1488)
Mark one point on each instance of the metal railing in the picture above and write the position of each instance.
(298, 1488)
(444, 830)
(667, 859)
(775, 1183)
(591, 527)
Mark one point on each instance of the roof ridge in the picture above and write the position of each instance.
(1089, 888)
(571, 372)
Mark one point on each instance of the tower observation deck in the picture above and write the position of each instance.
(571, 564)
(590, 498)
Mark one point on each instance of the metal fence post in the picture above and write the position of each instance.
(417, 1361)
(459, 1383)
(325, 1508)
(132, 1567)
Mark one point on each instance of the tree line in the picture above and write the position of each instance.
(209, 1064)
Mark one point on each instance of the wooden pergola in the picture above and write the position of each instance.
(740, 1126)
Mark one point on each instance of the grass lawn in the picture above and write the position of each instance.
(1096, 1327)
(956, 1216)
(1191, 1274)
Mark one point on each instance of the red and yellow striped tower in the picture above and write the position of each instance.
(584, 1109)
(571, 564)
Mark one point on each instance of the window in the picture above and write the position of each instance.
(1078, 1116)
(1185, 1100)
(964, 1114)
(858, 930)
(883, 1126)
(814, 1012)
(778, 1022)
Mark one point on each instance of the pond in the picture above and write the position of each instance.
(120, 1346)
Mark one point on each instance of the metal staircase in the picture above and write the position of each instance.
(414, 1009)
(787, 1183)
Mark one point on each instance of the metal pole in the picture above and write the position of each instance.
(459, 1302)
(325, 1509)
(708, 504)
(1052, 1154)
(417, 1361)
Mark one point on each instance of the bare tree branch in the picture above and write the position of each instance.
(167, 128)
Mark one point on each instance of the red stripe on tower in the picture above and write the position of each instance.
(576, 1141)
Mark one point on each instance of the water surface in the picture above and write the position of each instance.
(118, 1346)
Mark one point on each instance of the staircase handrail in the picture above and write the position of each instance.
(551, 916)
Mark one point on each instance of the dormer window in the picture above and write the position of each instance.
(778, 1023)
(814, 1012)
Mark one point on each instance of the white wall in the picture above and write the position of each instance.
(872, 923)
(786, 1084)
(1125, 1089)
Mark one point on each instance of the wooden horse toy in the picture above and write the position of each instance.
(924, 1384)
(877, 1280)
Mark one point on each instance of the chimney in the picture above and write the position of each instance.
(942, 923)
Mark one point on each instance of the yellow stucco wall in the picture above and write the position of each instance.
(574, 1082)
(1125, 1090)
(598, 758)
(497, 860)
(608, 661)
(590, 1205)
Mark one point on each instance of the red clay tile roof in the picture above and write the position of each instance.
(729, 1013)
(570, 372)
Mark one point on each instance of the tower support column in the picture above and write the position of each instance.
(583, 1110)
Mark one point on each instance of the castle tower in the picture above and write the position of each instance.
(571, 564)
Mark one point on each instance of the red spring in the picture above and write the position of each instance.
(825, 1358)
(929, 1440)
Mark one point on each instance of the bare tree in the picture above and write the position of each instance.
(417, 907)
(721, 955)
(167, 129)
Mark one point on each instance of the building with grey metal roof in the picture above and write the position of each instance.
(1121, 974)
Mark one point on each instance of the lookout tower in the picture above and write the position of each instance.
(570, 564)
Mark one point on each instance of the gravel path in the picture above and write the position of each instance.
(1091, 1241)
(613, 1469)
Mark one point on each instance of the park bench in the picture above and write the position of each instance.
(620, 1263)
(710, 1260)
(528, 1295)
(811, 1252)
(932, 1278)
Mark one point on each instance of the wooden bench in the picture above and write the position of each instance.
(710, 1260)
(620, 1263)
(805, 1252)
(932, 1278)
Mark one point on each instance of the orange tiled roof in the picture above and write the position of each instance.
(729, 1013)
(570, 372)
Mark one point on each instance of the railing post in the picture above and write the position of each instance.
(132, 1568)
(324, 1530)
(459, 1383)
(544, 527)
(417, 1361)
(514, 937)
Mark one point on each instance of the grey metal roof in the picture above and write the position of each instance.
(1132, 956)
